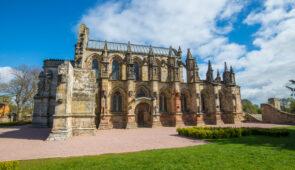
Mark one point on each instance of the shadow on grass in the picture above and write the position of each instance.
(25, 132)
(260, 140)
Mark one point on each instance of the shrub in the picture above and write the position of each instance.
(227, 132)
(11, 165)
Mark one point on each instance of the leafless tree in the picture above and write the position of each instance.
(22, 88)
(292, 89)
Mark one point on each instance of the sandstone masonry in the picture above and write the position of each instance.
(117, 85)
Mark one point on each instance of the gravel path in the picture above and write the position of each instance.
(25, 142)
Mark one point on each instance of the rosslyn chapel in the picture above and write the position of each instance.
(125, 85)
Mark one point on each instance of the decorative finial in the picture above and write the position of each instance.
(225, 67)
(179, 52)
(189, 54)
(170, 51)
(218, 77)
(129, 47)
(209, 65)
(231, 69)
(105, 45)
(151, 50)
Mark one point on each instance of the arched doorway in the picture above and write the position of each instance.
(143, 115)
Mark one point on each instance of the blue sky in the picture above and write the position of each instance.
(255, 36)
(35, 30)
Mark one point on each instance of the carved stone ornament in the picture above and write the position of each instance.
(130, 93)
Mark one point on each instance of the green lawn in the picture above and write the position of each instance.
(251, 152)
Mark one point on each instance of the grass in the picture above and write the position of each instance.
(250, 152)
(14, 123)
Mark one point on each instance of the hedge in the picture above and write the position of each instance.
(227, 132)
(7, 124)
(10, 165)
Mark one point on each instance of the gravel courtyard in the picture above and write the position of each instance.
(25, 142)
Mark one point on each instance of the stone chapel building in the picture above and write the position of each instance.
(118, 85)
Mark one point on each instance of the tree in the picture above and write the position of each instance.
(248, 107)
(22, 88)
(288, 105)
(292, 89)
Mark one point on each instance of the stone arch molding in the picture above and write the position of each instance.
(124, 98)
(88, 60)
(145, 89)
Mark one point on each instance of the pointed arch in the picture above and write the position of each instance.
(185, 101)
(164, 98)
(117, 100)
(221, 101)
(204, 101)
(115, 67)
(136, 71)
(115, 70)
(142, 91)
(95, 66)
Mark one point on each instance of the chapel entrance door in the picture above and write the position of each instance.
(143, 114)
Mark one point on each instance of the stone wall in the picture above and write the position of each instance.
(270, 114)
(75, 103)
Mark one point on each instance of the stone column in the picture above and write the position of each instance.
(104, 117)
(217, 106)
(196, 102)
(155, 110)
(177, 105)
(131, 122)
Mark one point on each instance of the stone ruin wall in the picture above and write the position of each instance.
(271, 113)
(75, 102)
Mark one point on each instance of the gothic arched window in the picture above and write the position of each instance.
(141, 93)
(136, 71)
(221, 103)
(95, 67)
(203, 103)
(163, 103)
(183, 103)
(117, 102)
(115, 70)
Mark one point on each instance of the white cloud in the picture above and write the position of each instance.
(5, 74)
(193, 24)
(268, 69)
(161, 22)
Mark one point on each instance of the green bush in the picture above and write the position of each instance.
(15, 123)
(227, 132)
(11, 165)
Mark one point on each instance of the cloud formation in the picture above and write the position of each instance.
(268, 69)
(5, 74)
(193, 24)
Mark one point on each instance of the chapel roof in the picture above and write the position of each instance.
(122, 47)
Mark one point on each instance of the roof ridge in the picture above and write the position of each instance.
(130, 44)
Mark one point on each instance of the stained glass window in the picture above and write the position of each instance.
(220, 103)
(163, 103)
(141, 93)
(95, 67)
(183, 103)
(117, 102)
(203, 103)
(136, 71)
(115, 70)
